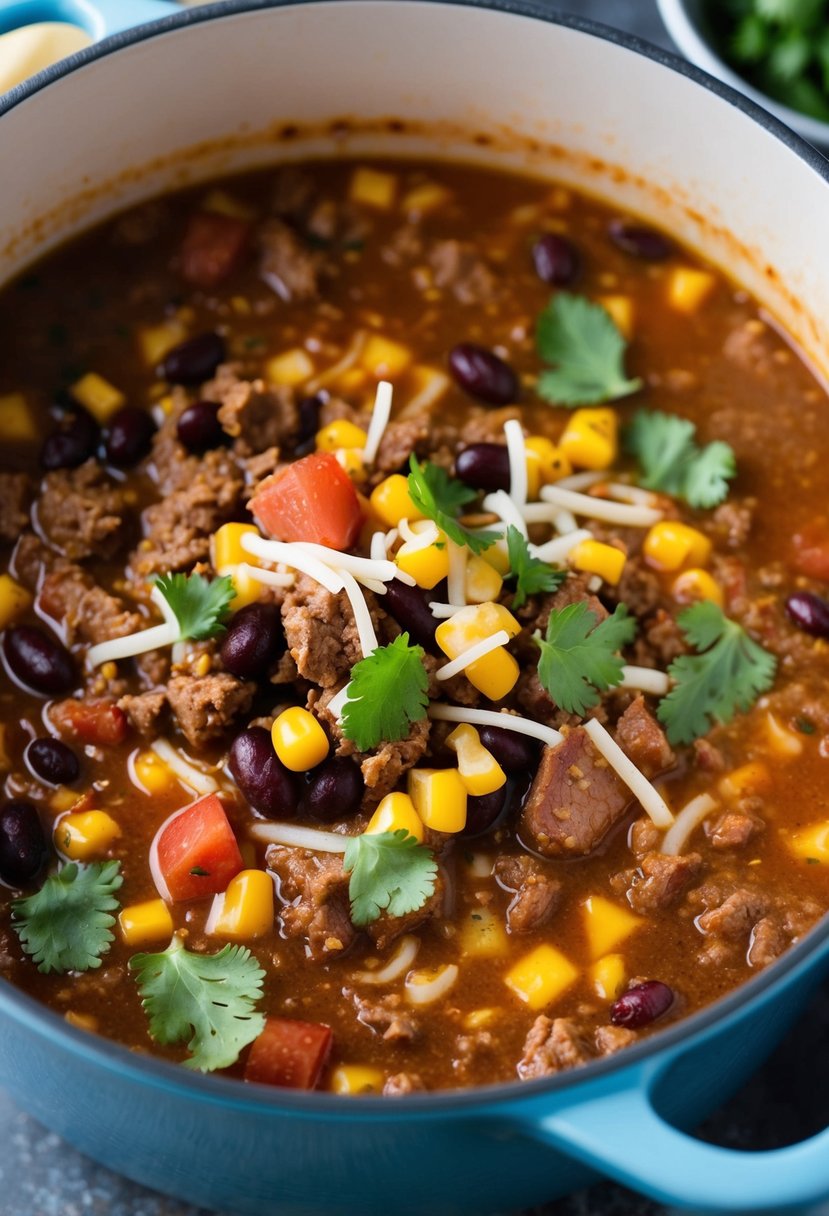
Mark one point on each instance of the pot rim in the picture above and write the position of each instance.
(229, 1091)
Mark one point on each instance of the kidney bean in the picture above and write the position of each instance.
(334, 789)
(37, 660)
(642, 1004)
(52, 761)
(410, 608)
(484, 811)
(515, 753)
(484, 466)
(253, 642)
(198, 427)
(556, 259)
(74, 442)
(809, 612)
(640, 241)
(129, 436)
(483, 374)
(195, 360)
(261, 776)
(309, 423)
(23, 847)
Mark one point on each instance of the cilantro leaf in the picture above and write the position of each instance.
(579, 657)
(389, 871)
(709, 687)
(673, 461)
(66, 925)
(207, 999)
(583, 341)
(440, 498)
(200, 605)
(387, 692)
(531, 573)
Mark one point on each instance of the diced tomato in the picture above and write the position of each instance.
(98, 722)
(212, 246)
(290, 1054)
(811, 550)
(311, 500)
(196, 851)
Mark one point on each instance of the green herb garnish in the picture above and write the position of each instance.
(587, 349)
(66, 925)
(672, 460)
(441, 497)
(200, 605)
(579, 656)
(390, 872)
(387, 693)
(532, 575)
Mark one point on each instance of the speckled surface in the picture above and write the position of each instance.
(786, 1101)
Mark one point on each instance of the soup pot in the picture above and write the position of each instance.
(506, 82)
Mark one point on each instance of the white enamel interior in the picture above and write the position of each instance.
(125, 126)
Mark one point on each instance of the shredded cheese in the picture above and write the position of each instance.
(645, 679)
(442, 611)
(645, 793)
(581, 481)
(133, 644)
(564, 522)
(337, 703)
(424, 987)
(601, 508)
(398, 964)
(379, 421)
(426, 534)
(456, 581)
(502, 505)
(198, 780)
(540, 512)
(517, 451)
(698, 809)
(296, 556)
(490, 717)
(556, 550)
(296, 837)
(271, 578)
(349, 358)
(501, 638)
(378, 546)
(625, 493)
(362, 616)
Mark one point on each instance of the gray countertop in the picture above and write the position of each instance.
(787, 1100)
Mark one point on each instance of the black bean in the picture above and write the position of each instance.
(129, 436)
(642, 1004)
(483, 811)
(74, 442)
(483, 374)
(410, 608)
(334, 789)
(195, 360)
(640, 241)
(261, 776)
(556, 259)
(809, 612)
(199, 428)
(37, 660)
(23, 847)
(253, 642)
(484, 466)
(309, 423)
(515, 753)
(52, 761)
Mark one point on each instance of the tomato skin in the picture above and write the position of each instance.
(811, 550)
(199, 838)
(101, 723)
(311, 500)
(212, 246)
(289, 1054)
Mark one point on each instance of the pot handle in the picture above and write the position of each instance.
(622, 1136)
(98, 17)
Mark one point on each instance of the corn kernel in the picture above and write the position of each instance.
(496, 673)
(553, 462)
(202, 666)
(482, 581)
(606, 925)
(425, 198)
(246, 908)
(99, 396)
(497, 556)
(670, 545)
(689, 288)
(152, 773)
(384, 358)
(17, 422)
(85, 834)
(784, 742)
(479, 1018)
(226, 545)
(589, 441)
(695, 584)
(621, 312)
(156, 340)
(147, 922)
(292, 367)
(14, 600)
(482, 935)
(373, 188)
(340, 434)
(609, 976)
(356, 1079)
(480, 771)
(222, 203)
(427, 564)
(109, 670)
(63, 799)
(812, 843)
(298, 739)
(351, 460)
(247, 588)
(439, 797)
(392, 502)
(751, 778)
(594, 557)
(541, 976)
(395, 813)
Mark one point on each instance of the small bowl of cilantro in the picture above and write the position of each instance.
(774, 51)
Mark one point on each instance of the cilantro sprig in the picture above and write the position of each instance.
(440, 498)
(579, 656)
(207, 1000)
(727, 674)
(584, 344)
(532, 575)
(199, 604)
(387, 693)
(673, 461)
(389, 871)
(67, 924)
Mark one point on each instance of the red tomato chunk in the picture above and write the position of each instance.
(310, 500)
(290, 1054)
(101, 723)
(213, 245)
(197, 851)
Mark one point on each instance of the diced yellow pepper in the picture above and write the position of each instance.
(439, 797)
(340, 434)
(153, 774)
(222, 203)
(541, 976)
(812, 843)
(425, 198)
(385, 358)
(226, 546)
(426, 564)
(553, 462)
(373, 188)
(298, 739)
(156, 340)
(99, 396)
(590, 439)
(85, 834)
(17, 423)
(248, 589)
(480, 771)
(482, 582)
(621, 311)
(392, 502)
(751, 778)
(496, 673)
(595, 557)
(784, 742)
(688, 288)
(695, 584)
(147, 922)
(247, 907)
(292, 368)
(14, 600)
(482, 934)
(356, 1079)
(609, 976)
(395, 813)
(670, 545)
(497, 556)
(606, 925)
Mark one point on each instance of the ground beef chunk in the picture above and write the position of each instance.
(731, 522)
(644, 837)
(321, 633)
(399, 440)
(459, 268)
(639, 589)
(575, 799)
(206, 705)
(659, 641)
(768, 941)
(387, 1017)
(257, 417)
(553, 1045)
(144, 710)
(287, 264)
(81, 512)
(32, 560)
(535, 893)
(661, 880)
(610, 1039)
(751, 346)
(383, 769)
(708, 757)
(15, 495)
(733, 829)
(401, 1083)
(314, 889)
(639, 735)
(734, 918)
(387, 929)
(88, 612)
